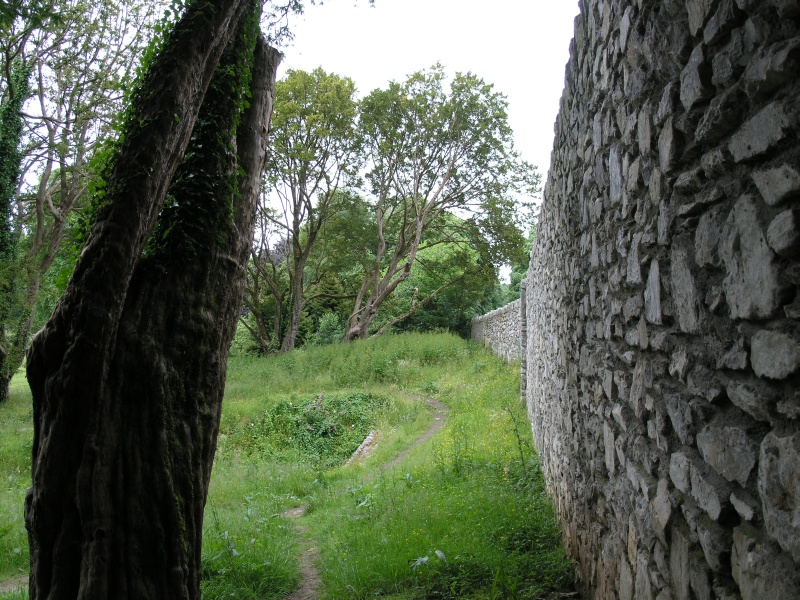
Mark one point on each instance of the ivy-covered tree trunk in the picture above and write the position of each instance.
(128, 374)
(10, 157)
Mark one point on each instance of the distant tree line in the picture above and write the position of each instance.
(390, 212)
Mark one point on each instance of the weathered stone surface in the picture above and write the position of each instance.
(608, 444)
(724, 19)
(615, 175)
(744, 504)
(668, 146)
(679, 562)
(753, 286)
(735, 358)
(684, 291)
(772, 67)
(652, 294)
(753, 397)
(706, 237)
(777, 185)
(700, 577)
(679, 471)
(695, 79)
(708, 489)
(779, 490)
(643, 589)
(759, 134)
(625, 580)
(699, 12)
(500, 330)
(661, 510)
(759, 570)
(729, 449)
(649, 404)
(723, 115)
(783, 234)
(774, 354)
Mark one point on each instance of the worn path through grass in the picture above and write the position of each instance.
(310, 581)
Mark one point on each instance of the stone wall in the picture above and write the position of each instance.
(500, 330)
(663, 336)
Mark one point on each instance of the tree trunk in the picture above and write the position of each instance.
(128, 374)
(298, 285)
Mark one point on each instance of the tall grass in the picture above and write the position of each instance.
(463, 515)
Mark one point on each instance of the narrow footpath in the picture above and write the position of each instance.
(309, 574)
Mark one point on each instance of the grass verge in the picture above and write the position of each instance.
(464, 515)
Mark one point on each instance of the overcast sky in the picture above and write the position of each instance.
(521, 46)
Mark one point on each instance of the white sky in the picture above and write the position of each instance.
(521, 46)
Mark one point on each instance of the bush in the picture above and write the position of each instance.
(330, 330)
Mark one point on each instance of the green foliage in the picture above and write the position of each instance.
(325, 430)
(329, 331)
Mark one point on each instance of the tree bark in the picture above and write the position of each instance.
(128, 374)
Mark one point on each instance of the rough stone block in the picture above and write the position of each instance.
(625, 581)
(760, 571)
(684, 290)
(706, 237)
(615, 175)
(783, 234)
(779, 490)
(661, 510)
(777, 185)
(722, 22)
(700, 577)
(634, 269)
(699, 12)
(716, 542)
(644, 590)
(714, 163)
(753, 286)
(608, 444)
(668, 146)
(652, 294)
(695, 79)
(679, 363)
(724, 114)
(754, 397)
(729, 449)
(772, 67)
(760, 133)
(744, 504)
(679, 471)
(774, 354)
(679, 562)
(644, 130)
(711, 492)
(735, 358)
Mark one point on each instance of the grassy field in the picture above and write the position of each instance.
(463, 515)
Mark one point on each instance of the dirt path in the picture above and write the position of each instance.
(12, 585)
(309, 573)
(439, 415)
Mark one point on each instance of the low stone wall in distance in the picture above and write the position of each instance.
(500, 330)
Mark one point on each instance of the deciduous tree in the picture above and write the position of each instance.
(434, 152)
(128, 374)
(315, 151)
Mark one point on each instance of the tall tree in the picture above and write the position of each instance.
(10, 159)
(435, 152)
(127, 376)
(315, 151)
